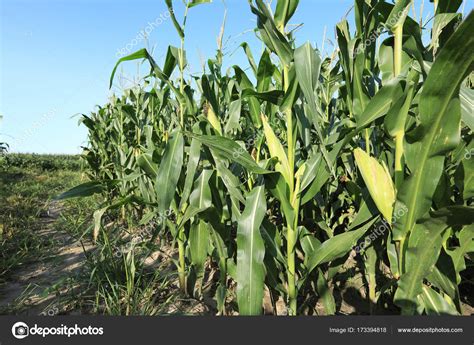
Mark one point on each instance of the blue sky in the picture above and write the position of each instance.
(56, 56)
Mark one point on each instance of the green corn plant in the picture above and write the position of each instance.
(273, 33)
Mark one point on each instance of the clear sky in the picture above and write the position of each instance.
(56, 56)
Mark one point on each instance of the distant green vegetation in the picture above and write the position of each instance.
(45, 162)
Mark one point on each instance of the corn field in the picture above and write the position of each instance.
(277, 175)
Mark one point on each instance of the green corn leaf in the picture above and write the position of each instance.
(336, 246)
(279, 187)
(230, 181)
(370, 266)
(272, 241)
(87, 189)
(464, 177)
(98, 221)
(193, 160)
(209, 94)
(193, 3)
(448, 6)
(444, 276)
(190, 213)
(250, 57)
(359, 91)
(380, 104)
(346, 55)
(386, 62)
(143, 54)
(467, 104)
(264, 72)
(171, 61)
(169, 171)
(253, 103)
(139, 54)
(309, 243)
(145, 162)
(326, 296)
(322, 172)
(169, 4)
(199, 234)
(316, 181)
(229, 149)
(396, 117)
(392, 256)
(292, 93)
(273, 96)
(307, 66)
(250, 254)
(201, 196)
(435, 304)
(313, 164)
(421, 256)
